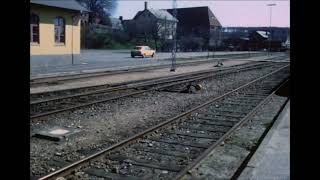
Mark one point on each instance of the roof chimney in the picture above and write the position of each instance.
(145, 5)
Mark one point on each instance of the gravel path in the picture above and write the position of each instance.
(105, 124)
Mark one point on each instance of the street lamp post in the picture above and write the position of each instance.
(269, 37)
(174, 36)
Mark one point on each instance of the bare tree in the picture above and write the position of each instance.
(155, 32)
(159, 30)
(150, 30)
(101, 9)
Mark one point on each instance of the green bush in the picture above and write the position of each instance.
(191, 44)
(94, 39)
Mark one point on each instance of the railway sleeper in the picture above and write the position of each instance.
(171, 90)
(252, 97)
(213, 122)
(182, 143)
(255, 94)
(155, 157)
(162, 152)
(57, 163)
(243, 103)
(192, 135)
(108, 175)
(248, 98)
(216, 119)
(239, 104)
(220, 110)
(149, 162)
(258, 90)
(184, 138)
(235, 117)
(215, 130)
(242, 109)
(210, 126)
(169, 148)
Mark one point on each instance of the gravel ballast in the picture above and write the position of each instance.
(105, 124)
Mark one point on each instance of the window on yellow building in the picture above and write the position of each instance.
(34, 28)
(59, 30)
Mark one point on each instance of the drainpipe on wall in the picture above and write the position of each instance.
(72, 24)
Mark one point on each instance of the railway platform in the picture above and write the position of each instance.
(272, 158)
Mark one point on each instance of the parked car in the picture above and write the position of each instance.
(144, 51)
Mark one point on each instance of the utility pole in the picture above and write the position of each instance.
(214, 41)
(208, 45)
(208, 41)
(269, 37)
(174, 38)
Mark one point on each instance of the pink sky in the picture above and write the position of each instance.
(229, 13)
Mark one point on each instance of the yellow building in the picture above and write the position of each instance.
(54, 32)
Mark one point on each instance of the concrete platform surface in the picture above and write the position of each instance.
(271, 161)
(131, 76)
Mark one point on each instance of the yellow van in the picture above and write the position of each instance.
(144, 51)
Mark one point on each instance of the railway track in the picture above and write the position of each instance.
(277, 58)
(44, 105)
(169, 149)
(34, 97)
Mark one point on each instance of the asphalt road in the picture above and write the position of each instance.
(94, 59)
(116, 56)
